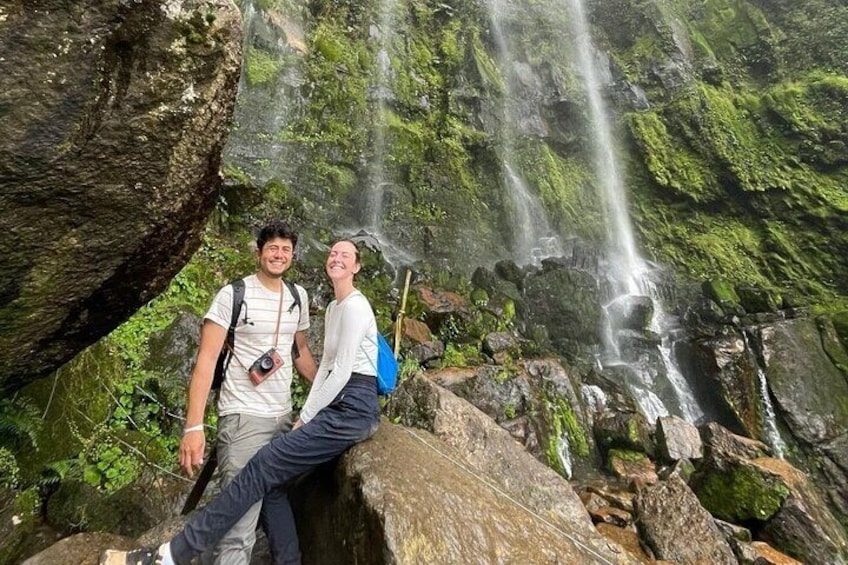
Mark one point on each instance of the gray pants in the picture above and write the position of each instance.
(240, 436)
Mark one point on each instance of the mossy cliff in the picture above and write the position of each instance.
(730, 121)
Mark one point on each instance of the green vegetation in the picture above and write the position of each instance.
(564, 426)
(260, 67)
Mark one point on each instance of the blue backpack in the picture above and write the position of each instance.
(387, 366)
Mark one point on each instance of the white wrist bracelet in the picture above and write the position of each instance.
(197, 428)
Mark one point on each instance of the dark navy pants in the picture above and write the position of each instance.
(352, 417)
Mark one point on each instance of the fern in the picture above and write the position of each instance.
(20, 424)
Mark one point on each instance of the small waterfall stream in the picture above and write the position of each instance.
(532, 236)
(379, 93)
(771, 435)
(628, 274)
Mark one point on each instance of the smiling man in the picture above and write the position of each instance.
(255, 401)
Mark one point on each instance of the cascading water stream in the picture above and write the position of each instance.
(629, 273)
(372, 213)
(628, 266)
(533, 238)
(771, 435)
(372, 205)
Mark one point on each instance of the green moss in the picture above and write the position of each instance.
(487, 68)
(565, 424)
(721, 291)
(626, 455)
(564, 183)
(633, 431)
(840, 322)
(260, 66)
(672, 165)
(741, 493)
(733, 26)
(453, 357)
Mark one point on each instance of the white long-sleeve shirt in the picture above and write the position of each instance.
(350, 346)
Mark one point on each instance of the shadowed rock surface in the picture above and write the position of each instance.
(114, 117)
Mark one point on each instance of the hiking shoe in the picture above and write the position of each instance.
(145, 556)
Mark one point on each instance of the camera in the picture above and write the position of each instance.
(265, 366)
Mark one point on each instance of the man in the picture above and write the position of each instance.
(252, 409)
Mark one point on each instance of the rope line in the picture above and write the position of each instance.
(511, 499)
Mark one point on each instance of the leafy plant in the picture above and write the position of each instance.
(20, 423)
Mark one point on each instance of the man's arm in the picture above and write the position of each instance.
(192, 446)
(305, 363)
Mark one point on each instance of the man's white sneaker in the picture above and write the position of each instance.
(145, 556)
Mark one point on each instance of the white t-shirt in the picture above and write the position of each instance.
(350, 346)
(272, 397)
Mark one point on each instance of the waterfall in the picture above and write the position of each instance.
(533, 238)
(663, 325)
(629, 274)
(372, 203)
(380, 93)
(628, 267)
(771, 435)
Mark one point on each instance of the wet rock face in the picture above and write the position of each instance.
(810, 393)
(566, 300)
(114, 116)
(737, 483)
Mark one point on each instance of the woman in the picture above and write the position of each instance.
(341, 410)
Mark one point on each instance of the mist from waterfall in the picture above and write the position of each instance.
(532, 236)
(628, 273)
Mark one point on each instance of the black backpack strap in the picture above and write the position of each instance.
(296, 297)
(227, 350)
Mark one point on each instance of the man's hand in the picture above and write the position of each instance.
(192, 447)
(297, 424)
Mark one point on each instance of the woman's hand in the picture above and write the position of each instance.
(297, 424)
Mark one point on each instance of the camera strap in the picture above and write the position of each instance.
(279, 313)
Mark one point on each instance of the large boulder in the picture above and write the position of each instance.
(406, 497)
(730, 371)
(567, 302)
(114, 117)
(79, 549)
(737, 484)
(536, 402)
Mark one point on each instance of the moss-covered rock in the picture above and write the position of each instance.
(741, 493)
